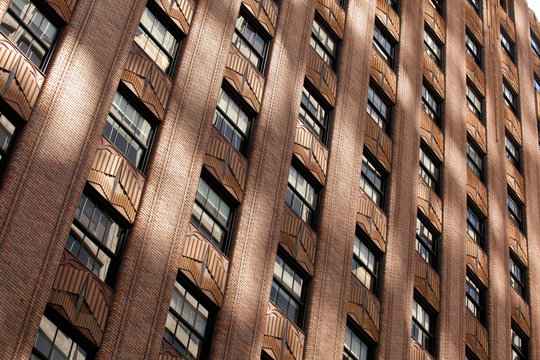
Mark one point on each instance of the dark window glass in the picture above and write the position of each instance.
(393, 4)
(473, 48)
(250, 41)
(469, 355)
(8, 132)
(535, 44)
(365, 263)
(30, 30)
(429, 170)
(157, 40)
(426, 242)
(432, 47)
(437, 4)
(313, 114)
(324, 44)
(384, 44)
(536, 85)
(232, 121)
(355, 347)
(510, 98)
(474, 101)
(301, 196)
(520, 345)
(474, 298)
(212, 215)
(372, 181)
(187, 322)
(475, 160)
(341, 3)
(378, 108)
(431, 104)
(94, 238)
(507, 45)
(515, 210)
(129, 131)
(512, 151)
(287, 291)
(422, 327)
(517, 276)
(52, 343)
(475, 227)
(477, 5)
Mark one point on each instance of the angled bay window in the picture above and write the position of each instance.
(324, 43)
(95, 238)
(52, 343)
(515, 209)
(9, 128)
(188, 323)
(365, 263)
(356, 348)
(159, 38)
(372, 180)
(26, 25)
(428, 169)
(473, 48)
(301, 196)
(520, 344)
(231, 120)
(423, 325)
(378, 107)
(517, 275)
(474, 298)
(432, 46)
(535, 44)
(212, 214)
(129, 131)
(250, 40)
(474, 101)
(384, 44)
(288, 290)
(510, 98)
(512, 151)
(426, 242)
(431, 104)
(475, 160)
(475, 225)
(507, 45)
(314, 113)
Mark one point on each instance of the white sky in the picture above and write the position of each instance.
(535, 5)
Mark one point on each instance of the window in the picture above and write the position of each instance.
(53, 343)
(475, 160)
(94, 238)
(393, 4)
(426, 242)
(129, 131)
(30, 30)
(515, 210)
(520, 345)
(301, 196)
(8, 133)
(341, 3)
(422, 327)
(324, 44)
(383, 43)
(314, 114)
(535, 44)
(365, 263)
(187, 323)
(437, 4)
(372, 180)
(378, 108)
(477, 5)
(355, 347)
(517, 275)
(474, 101)
(232, 121)
(432, 47)
(431, 104)
(512, 151)
(212, 215)
(473, 48)
(251, 42)
(474, 298)
(536, 85)
(288, 290)
(475, 226)
(507, 45)
(429, 170)
(510, 98)
(469, 355)
(157, 40)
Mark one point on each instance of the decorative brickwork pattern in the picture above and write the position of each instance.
(419, 353)
(371, 220)
(474, 23)
(64, 8)
(476, 336)
(180, 11)
(321, 76)
(515, 180)
(333, 14)
(432, 136)
(434, 75)
(364, 308)
(476, 130)
(476, 75)
(378, 143)
(282, 339)
(383, 75)
(435, 21)
(510, 72)
(311, 152)
(513, 125)
(265, 11)
(427, 282)
(430, 204)
(388, 17)
(477, 192)
(518, 243)
(477, 260)
(520, 312)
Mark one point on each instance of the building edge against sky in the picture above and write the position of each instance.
(198, 179)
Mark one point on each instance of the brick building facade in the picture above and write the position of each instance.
(200, 179)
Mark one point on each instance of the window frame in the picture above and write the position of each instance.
(49, 14)
(479, 306)
(430, 254)
(517, 215)
(388, 57)
(333, 58)
(434, 114)
(472, 96)
(15, 120)
(507, 44)
(355, 330)
(475, 165)
(437, 6)
(363, 239)
(535, 44)
(434, 178)
(378, 93)
(477, 7)
(517, 282)
(510, 97)
(308, 178)
(430, 335)
(523, 351)
(314, 94)
(479, 232)
(513, 151)
(373, 164)
(438, 60)
(475, 55)
(260, 31)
